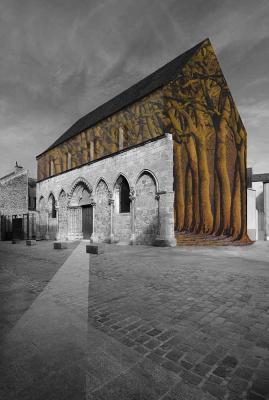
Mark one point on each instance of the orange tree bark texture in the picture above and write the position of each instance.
(209, 145)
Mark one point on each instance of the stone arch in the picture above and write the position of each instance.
(41, 203)
(62, 215)
(52, 216)
(97, 183)
(80, 211)
(122, 214)
(80, 193)
(118, 176)
(80, 181)
(102, 211)
(122, 195)
(52, 205)
(146, 208)
(149, 172)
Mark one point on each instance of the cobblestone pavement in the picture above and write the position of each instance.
(201, 314)
(142, 323)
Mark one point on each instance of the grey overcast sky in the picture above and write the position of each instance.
(60, 59)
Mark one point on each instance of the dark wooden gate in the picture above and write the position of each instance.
(87, 221)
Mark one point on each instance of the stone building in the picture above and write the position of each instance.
(258, 205)
(17, 204)
(162, 163)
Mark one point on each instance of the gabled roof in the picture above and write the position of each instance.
(144, 87)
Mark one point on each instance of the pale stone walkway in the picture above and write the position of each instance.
(44, 352)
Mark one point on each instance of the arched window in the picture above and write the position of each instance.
(51, 206)
(122, 194)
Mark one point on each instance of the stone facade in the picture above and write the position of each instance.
(146, 222)
(14, 193)
(17, 205)
(102, 212)
(148, 169)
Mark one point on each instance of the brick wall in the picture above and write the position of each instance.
(156, 157)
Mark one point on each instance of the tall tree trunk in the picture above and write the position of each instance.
(243, 184)
(236, 202)
(216, 225)
(221, 167)
(192, 156)
(179, 186)
(188, 218)
(205, 203)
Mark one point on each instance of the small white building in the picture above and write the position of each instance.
(258, 206)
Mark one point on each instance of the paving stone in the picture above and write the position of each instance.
(230, 361)
(186, 364)
(221, 371)
(261, 386)
(254, 396)
(174, 355)
(142, 339)
(210, 359)
(167, 334)
(171, 366)
(202, 369)
(154, 332)
(189, 377)
(141, 349)
(237, 385)
(214, 389)
(152, 344)
(244, 372)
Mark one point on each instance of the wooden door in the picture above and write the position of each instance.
(87, 221)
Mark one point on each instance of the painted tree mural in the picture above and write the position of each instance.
(209, 146)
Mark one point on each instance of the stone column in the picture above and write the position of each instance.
(47, 237)
(93, 237)
(166, 231)
(0, 225)
(57, 219)
(266, 210)
(132, 199)
(111, 203)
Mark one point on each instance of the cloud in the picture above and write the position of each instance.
(61, 59)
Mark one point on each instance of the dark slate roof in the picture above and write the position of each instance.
(144, 87)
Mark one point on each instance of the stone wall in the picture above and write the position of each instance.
(146, 206)
(102, 212)
(62, 216)
(14, 194)
(154, 158)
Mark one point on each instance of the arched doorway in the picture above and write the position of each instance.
(80, 212)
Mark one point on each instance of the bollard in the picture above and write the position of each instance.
(95, 248)
(60, 245)
(30, 242)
